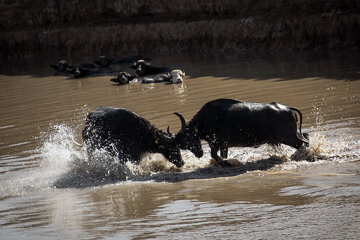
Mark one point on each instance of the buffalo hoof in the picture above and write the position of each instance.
(224, 164)
(306, 136)
(234, 162)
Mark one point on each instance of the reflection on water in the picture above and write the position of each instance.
(48, 189)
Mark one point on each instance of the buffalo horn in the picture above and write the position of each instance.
(182, 122)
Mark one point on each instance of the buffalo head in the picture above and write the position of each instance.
(122, 78)
(61, 66)
(188, 138)
(176, 76)
(141, 67)
(170, 149)
(78, 72)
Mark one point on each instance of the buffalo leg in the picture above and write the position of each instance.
(224, 152)
(218, 159)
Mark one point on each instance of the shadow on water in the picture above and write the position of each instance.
(340, 65)
(116, 173)
(217, 172)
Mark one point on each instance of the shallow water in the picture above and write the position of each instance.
(49, 191)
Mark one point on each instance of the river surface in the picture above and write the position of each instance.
(48, 189)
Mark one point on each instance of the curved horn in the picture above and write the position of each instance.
(183, 124)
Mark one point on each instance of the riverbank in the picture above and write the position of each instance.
(65, 29)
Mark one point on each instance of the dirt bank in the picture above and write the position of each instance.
(60, 28)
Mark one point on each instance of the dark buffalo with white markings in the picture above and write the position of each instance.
(175, 76)
(127, 135)
(225, 123)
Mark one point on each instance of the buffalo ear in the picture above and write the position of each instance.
(170, 134)
(168, 130)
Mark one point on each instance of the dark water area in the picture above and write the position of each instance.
(48, 189)
(286, 65)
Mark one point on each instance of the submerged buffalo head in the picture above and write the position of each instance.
(176, 76)
(141, 67)
(188, 138)
(78, 71)
(122, 78)
(82, 70)
(61, 66)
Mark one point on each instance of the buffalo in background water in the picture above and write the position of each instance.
(143, 68)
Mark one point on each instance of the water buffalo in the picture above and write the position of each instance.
(123, 78)
(175, 76)
(127, 135)
(225, 123)
(61, 66)
(143, 68)
(83, 70)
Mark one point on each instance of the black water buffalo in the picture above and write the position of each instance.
(122, 78)
(225, 123)
(61, 66)
(127, 135)
(143, 68)
(83, 70)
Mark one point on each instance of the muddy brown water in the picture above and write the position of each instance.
(48, 190)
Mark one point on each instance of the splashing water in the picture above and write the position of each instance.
(57, 151)
(332, 141)
(71, 167)
(64, 164)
